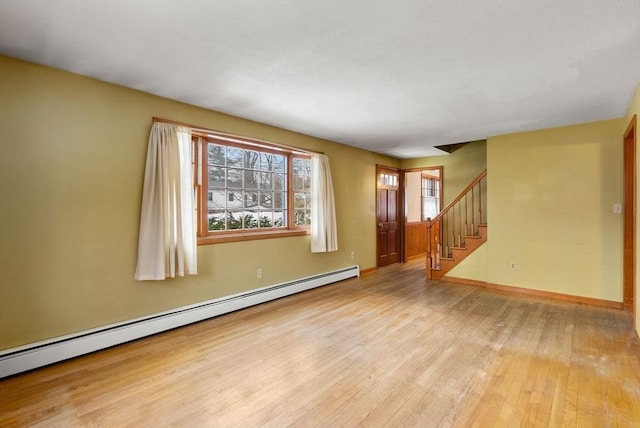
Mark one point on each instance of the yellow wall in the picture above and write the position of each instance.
(459, 167)
(634, 108)
(550, 200)
(473, 267)
(72, 155)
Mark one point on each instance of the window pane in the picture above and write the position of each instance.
(301, 174)
(234, 178)
(216, 176)
(250, 220)
(299, 200)
(234, 157)
(266, 161)
(279, 163)
(216, 154)
(280, 218)
(216, 221)
(299, 166)
(216, 199)
(251, 179)
(266, 181)
(266, 200)
(302, 217)
(266, 219)
(234, 220)
(279, 182)
(279, 199)
(234, 199)
(251, 159)
(250, 199)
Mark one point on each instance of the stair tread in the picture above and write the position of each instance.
(447, 258)
(472, 236)
(458, 248)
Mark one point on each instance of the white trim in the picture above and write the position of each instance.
(34, 355)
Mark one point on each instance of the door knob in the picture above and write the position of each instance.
(380, 225)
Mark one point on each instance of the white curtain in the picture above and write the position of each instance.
(324, 231)
(167, 244)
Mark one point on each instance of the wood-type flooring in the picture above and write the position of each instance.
(386, 349)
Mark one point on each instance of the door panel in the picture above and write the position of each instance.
(387, 205)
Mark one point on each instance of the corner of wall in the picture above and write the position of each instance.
(634, 109)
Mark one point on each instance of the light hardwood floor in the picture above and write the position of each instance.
(387, 349)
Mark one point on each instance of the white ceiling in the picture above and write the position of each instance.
(396, 77)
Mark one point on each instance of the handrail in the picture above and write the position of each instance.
(449, 229)
(460, 196)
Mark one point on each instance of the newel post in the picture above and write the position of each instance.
(429, 249)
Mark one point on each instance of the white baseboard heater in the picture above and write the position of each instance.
(34, 355)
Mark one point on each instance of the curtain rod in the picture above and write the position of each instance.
(227, 135)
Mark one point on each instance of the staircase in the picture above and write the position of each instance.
(458, 230)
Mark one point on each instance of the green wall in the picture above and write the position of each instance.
(458, 168)
(72, 156)
(551, 196)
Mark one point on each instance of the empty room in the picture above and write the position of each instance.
(319, 213)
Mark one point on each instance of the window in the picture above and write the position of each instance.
(430, 196)
(251, 191)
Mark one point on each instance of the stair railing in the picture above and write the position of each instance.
(457, 220)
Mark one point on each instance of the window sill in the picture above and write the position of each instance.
(251, 236)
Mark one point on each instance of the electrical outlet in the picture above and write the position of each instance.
(353, 255)
(513, 265)
(259, 273)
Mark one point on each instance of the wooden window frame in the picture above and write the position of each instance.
(200, 164)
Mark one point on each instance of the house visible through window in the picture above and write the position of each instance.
(252, 190)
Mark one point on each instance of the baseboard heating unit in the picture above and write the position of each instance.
(34, 355)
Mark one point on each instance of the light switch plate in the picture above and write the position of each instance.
(617, 208)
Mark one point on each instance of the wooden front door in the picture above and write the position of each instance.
(388, 214)
(629, 243)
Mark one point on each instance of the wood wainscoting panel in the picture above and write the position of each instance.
(416, 239)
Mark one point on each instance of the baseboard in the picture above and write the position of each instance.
(536, 293)
(34, 355)
(464, 281)
(368, 271)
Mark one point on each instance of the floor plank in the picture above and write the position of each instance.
(386, 349)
